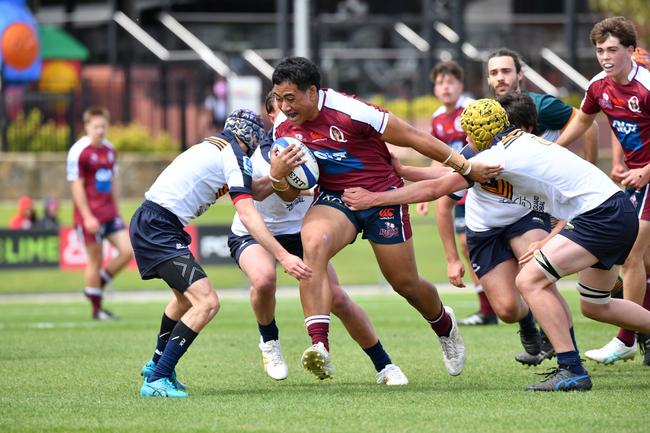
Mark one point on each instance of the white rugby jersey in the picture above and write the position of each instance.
(202, 174)
(543, 176)
(485, 210)
(281, 217)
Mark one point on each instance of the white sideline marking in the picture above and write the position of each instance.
(165, 295)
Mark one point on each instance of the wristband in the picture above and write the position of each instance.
(279, 189)
(274, 179)
(457, 162)
(469, 169)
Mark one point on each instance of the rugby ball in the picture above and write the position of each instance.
(305, 176)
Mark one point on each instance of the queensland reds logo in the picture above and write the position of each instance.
(633, 104)
(337, 135)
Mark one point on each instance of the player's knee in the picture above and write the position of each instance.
(341, 303)
(209, 306)
(508, 313)
(127, 253)
(405, 284)
(263, 283)
(528, 280)
(316, 246)
(593, 302)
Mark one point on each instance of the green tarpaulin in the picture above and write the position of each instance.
(56, 43)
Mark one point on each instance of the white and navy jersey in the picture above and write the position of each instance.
(485, 210)
(281, 217)
(202, 174)
(543, 176)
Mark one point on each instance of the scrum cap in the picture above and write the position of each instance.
(482, 120)
(247, 126)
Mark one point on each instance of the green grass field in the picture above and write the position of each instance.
(64, 373)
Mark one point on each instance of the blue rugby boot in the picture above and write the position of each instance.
(562, 379)
(162, 387)
(150, 367)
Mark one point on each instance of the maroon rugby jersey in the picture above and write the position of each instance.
(96, 167)
(346, 140)
(628, 110)
(446, 128)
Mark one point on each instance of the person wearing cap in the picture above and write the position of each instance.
(183, 191)
(600, 230)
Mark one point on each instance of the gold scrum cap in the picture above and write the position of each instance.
(482, 120)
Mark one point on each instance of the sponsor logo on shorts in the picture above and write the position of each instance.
(538, 220)
(180, 246)
(476, 267)
(390, 231)
(387, 213)
(331, 198)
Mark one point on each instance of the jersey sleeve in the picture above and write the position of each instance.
(74, 166)
(589, 103)
(260, 165)
(238, 170)
(376, 118)
(552, 114)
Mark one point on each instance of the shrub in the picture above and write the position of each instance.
(136, 138)
(418, 108)
(30, 134)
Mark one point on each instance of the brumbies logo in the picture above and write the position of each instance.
(337, 135)
(633, 104)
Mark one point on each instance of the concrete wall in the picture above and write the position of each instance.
(41, 175)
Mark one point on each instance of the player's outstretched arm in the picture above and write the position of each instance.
(253, 222)
(576, 127)
(445, 223)
(400, 133)
(357, 198)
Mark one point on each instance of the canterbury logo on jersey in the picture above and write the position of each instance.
(499, 187)
(386, 213)
(219, 142)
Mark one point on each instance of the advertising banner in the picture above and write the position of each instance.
(29, 248)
